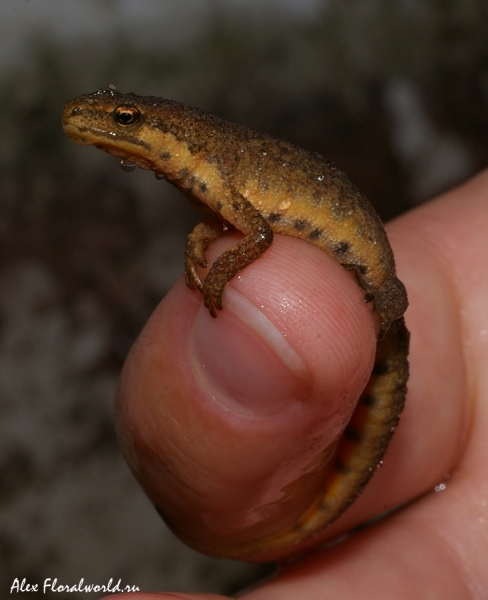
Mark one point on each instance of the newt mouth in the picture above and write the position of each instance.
(75, 134)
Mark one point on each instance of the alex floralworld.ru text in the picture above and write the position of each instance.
(53, 586)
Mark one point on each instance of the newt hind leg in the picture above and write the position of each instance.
(197, 243)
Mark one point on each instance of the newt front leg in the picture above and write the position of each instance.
(258, 237)
(197, 243)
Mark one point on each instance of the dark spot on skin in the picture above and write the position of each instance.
(315, 234)
(368, 297)
(274, 218)
(341, 248)
(367, 400)
(183, 173)
(361, 269)
(219, 205)
(380, 368)
(204, 188)
(196, 148)
(192, 179)
(165, 155)
(341, 467)
(236, 206)
(352, 434)
(300, 224)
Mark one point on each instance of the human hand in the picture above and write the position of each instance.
(214, 464)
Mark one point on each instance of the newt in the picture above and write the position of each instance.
(263, 186)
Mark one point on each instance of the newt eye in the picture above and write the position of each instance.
(127, 115)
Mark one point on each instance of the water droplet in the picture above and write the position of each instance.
(127, 165)
(320, 178)
(158, 175)
(440, 488)
(482, 519)
(265, 154)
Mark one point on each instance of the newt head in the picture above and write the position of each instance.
(144, 131)
(111, 121)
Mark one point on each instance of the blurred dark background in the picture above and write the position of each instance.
(394, 92)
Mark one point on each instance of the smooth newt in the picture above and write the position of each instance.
(261, 186)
